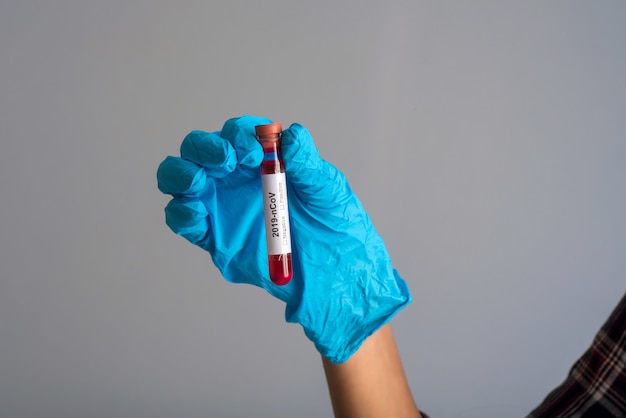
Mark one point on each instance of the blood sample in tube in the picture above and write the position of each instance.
(275, 207)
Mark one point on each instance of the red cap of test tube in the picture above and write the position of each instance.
(270, 129)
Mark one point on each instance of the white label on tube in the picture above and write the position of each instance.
(276, 213)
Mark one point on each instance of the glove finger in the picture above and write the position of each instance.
(241, 134)
(306, 171)
(178, 176)
(300, 153)
(210, 151)
(188, 218)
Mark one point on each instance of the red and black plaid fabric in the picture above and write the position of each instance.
(596, 384)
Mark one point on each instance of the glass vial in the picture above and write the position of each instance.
(274, 186)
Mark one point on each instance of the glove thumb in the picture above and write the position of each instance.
(310, 175)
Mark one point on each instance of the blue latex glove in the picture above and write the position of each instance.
(344, 287)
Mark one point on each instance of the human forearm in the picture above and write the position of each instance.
(372, 382)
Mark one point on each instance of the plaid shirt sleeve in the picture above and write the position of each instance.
(596, 384)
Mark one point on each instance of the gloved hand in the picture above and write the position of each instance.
(344, 287)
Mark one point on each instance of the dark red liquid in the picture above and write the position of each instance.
(280, 268)
(279, 264)
(272, 167)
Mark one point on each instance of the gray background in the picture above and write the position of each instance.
(486, 139)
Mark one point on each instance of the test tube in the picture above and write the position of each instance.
(274, 187)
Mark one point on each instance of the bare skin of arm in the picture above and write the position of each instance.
(372, 382)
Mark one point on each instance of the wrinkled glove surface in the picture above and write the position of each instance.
(344, 286)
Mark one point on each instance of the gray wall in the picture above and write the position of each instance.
(485, 138)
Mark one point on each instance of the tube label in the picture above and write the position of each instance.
(276, 213)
